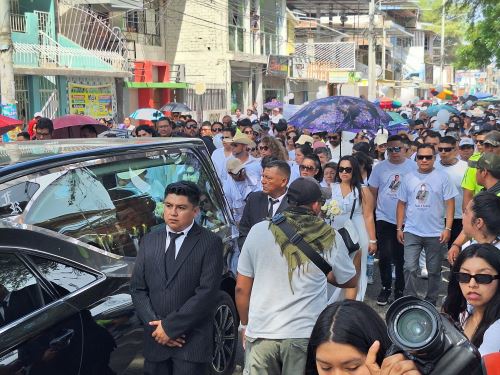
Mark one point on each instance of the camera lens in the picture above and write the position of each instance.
(415, 327)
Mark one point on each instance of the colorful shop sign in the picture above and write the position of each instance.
(93, 101)
(277, 66)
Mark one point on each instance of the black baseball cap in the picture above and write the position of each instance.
(303, 191)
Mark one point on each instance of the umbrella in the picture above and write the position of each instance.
(272, 105)
(445, 95)
(149, 114)
(397, 124)
(482, 95)
(434, 109)
(69, 126)
(175, 107)
(340, 113)
(7, 124)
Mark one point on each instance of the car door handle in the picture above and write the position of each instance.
(62, 341)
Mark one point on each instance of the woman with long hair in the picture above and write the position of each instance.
(270, 146)
(353, 196)
(311, 167)
(473, 299)
(349, 337)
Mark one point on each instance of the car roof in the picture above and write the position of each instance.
(16, 156)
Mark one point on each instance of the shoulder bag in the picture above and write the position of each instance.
(349, 233)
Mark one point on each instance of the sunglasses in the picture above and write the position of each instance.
(249, 132)
(306, 168)
(466, 147)
(345, 170)
(479, 142)
(191, 127)
(253, 149)
(464, 278)
(426, 157)
(216, 130)
(236, 144)
(334, 138)
(263, 148)
(445, 149)
(291, 136)
(393, 149)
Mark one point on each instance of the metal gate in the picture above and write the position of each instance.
(23, 107)
(47, 86)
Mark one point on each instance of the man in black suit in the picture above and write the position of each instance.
(174, 287)
(268, 202)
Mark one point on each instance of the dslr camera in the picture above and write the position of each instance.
(430, 339)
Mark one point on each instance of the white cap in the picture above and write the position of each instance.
(38, 114)
(380, 139)
(491, 106)
(466, 141)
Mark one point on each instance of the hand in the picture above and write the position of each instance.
(445, 236)
(400, 236)
(396, 364)
(372, 248)
(162, 338)
(453, 253)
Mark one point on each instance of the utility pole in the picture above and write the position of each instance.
(443, 15)
(372, 75)
(7, 92)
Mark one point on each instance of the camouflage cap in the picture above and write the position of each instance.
(492, 138)
(488, 161)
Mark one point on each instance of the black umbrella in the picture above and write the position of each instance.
(175, 107)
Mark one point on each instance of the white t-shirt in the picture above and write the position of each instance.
(275, 311)
(387, 178)
(220, 160)
(345, 148)
(424, 195)
(456, 174)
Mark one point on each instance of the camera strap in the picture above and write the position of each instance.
(295, 238)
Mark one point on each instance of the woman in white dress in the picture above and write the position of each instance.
(349, 191)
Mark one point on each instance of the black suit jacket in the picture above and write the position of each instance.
(255, 211)
(185, 302)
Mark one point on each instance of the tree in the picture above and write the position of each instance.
(482, 38)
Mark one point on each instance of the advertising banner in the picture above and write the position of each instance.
(93, 101)
(277, 66)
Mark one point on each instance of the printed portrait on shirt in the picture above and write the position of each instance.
(395, 183)
(422, 194)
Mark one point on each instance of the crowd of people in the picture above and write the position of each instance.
(414, 197)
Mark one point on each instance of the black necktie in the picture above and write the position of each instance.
(170, 255)
(272, 202)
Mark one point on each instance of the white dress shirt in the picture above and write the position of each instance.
(277, 204)
(179, 240)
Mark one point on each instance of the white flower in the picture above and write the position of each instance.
(331, 209)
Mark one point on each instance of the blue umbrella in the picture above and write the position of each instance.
(482, 95)
(149, 114)
(434, 109)
(272, 105)
(340, 113)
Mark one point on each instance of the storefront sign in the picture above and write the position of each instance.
(93, 101)
(277, 66)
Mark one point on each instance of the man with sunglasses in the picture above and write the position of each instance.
(455, 169)
(385, 182)
(217, 134)
(484, 141)
(240, 145)
(191, 128)
(221, 155)
(164, 127)
(337, 147)
(424, 197)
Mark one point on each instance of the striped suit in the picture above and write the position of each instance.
(185, 301)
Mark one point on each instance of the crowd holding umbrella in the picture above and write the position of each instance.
(70, 126)
(148, 114)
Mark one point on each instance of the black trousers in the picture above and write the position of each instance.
(390, 251)
(174, 366)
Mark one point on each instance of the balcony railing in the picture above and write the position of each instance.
(236, 38)
(18, 23)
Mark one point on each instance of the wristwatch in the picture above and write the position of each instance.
(373, 241)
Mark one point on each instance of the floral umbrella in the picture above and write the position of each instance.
(340, 113)
(272, 105)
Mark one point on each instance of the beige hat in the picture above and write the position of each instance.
(303, 139)
(380, 139)
(234, 166)
(243, 139)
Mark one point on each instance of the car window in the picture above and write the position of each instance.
(14, 199)
(20, 292)
(113, 203)
(65, 279)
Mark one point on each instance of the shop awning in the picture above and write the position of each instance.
(157, 85)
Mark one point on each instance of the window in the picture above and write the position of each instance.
(65, 279)
(14, 199)
(145, 22)
(112, 205)
(20, 292)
